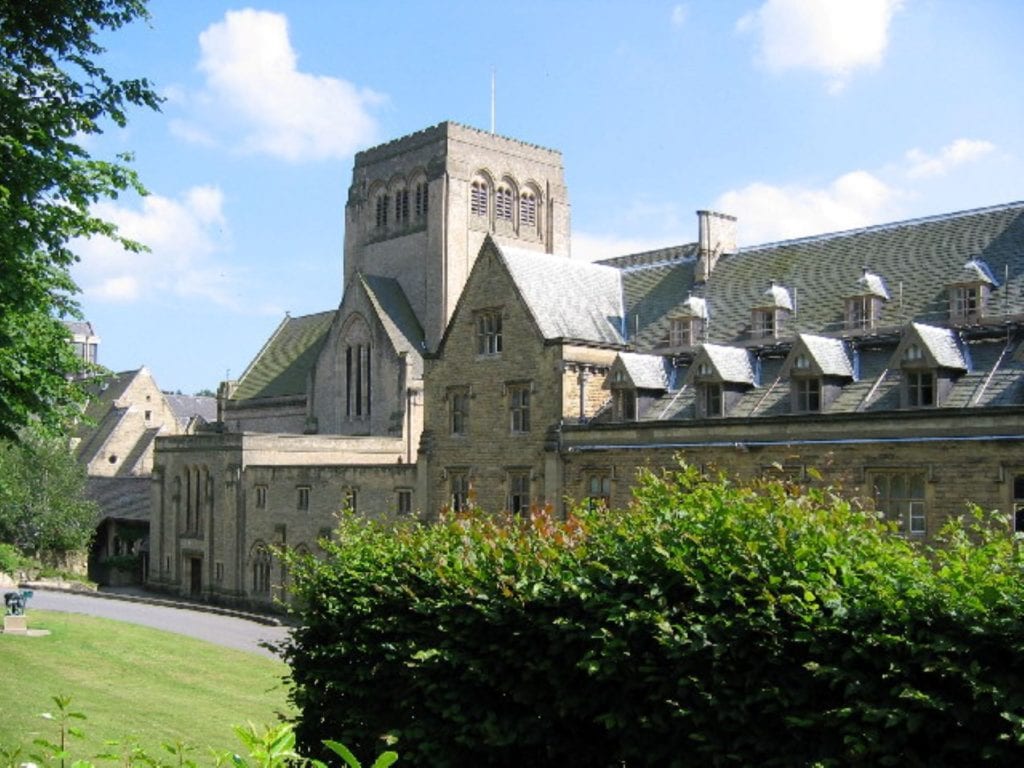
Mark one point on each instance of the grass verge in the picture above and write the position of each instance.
(134, 684)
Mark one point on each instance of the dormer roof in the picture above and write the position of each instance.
(728, 364)
(630, 369)
(973, 272)
(869, 284)
(827, 356)
(777, 297)
(941, 347)
(694, 306)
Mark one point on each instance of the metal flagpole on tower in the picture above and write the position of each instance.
(492, 101)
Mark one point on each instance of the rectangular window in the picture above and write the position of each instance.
(488, 332)
(404, 501)
(807, 394)
(625, 402)
(711, 399)
(458, 485)
(302, 502)
(218, 572)
(599, 491)
(458, 410)
(965, 302)
(920, 388)
(519, 407)
(518, 491)
(900, 495)
(685, 331)
(763, 323)
(261, 497)
(349, 500)
(862, 311)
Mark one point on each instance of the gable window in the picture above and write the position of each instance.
(302, 498)
(404, 501)
(503, 203)
(806, 394)
(900, 495)
(382, 211)
(519, 407)
(625, 404)
(458, 410)
(261, 497)
(488, 332)
(599, 491)
(920, 388)
(458, 486)
(518, 491)
(478, 198)
(711, 399)
(402, 206)
(420, 209)
(528, 209)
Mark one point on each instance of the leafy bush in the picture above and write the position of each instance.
(708, 624)
(11, 560)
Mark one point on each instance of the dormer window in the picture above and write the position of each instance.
(930, 359)
(920, 388)
(685, 331)
(913, 354)
(969, 292)
(766, 320)
(802, 363)
(711, 400)
(625, 404)
(764, 325)
(863, 307)
(807, 395)
(704, 370)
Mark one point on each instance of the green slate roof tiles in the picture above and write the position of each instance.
(281, 367)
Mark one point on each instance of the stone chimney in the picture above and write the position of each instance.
(716, 236)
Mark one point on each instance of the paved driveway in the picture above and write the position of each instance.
(230, 631)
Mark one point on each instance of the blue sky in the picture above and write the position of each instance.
(797, 116)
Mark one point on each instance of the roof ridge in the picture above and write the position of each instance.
(882, 227)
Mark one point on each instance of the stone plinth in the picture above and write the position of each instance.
(15, 625)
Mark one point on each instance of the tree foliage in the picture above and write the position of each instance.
(708, 624)
(43, 511)
(53, 94)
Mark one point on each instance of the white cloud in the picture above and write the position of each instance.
(184, 237)
(254, 85)
(767, 213)
(922, 165)
(834, 37)
(679, 15)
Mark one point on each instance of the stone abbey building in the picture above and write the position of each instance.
(472, 358)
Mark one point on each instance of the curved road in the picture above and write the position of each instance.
(230, 631)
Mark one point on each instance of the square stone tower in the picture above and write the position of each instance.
(420, 207)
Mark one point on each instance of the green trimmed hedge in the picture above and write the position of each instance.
(708, 624)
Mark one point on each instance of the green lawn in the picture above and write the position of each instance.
(133, 683)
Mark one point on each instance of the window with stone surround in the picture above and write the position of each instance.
(381, 210)
(519, 407)
(479, 191)
(420, 201)
(261, 497)
(349, 499)
(599, 490)
(261, 562)
(403, 498)
(458, 410)
(488, 332)
(458, 489)
(402, 206)
(518, 500)
(900, 495)
(503, 203)
(528, 208)
(806, 394)
(302, 498)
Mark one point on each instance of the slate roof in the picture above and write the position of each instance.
(396, 314)
(281, 366)
(731, 364)
(185, 407)
(121, 498)
(941, 344)
(829, 355)
(916, 259)
(870, 284)
(573, 300)
(646, 371)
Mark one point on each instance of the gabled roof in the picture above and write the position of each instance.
(730, 364)
(186, 407)
(870, 284)
(776, 297)
(568, 298)
(694, 306)
(282, 365)
(828, 356)
(642, 371)
(940, 345)
(121, 498)
(395, 313)
(975, 271)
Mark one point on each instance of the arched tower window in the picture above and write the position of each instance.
(420, 199)
(504, 203)
(528, 208)
(479, 194)
(381, 209)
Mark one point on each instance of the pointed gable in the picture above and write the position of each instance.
(395, 313)
(939, 346)
(824, 355)
(722, 363)
(636, 371)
